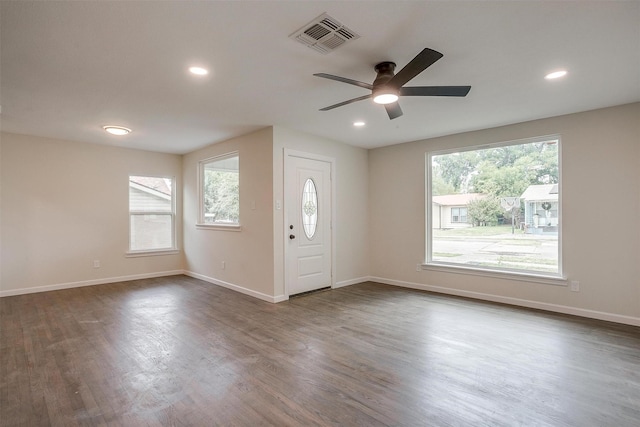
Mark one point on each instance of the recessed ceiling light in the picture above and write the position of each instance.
(199, 71)
(556, 75)
(116, 130)
(358, 124)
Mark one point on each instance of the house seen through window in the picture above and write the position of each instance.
(496, 207)
(151, 213)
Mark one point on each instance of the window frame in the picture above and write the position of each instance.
(200, 222)
(160, 251)
(557, 278)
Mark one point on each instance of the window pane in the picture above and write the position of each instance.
(151, 213)
(503, 206)
(150, 194)
(220, 183)
(151, 232)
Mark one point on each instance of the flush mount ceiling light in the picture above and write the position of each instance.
(358, 124)
(199, 71)
(116, 130)
(556, 74)
(385, 97)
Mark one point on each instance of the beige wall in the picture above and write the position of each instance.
(61, 209)
(352, 216)
(254, 257)
(600, 167)
(248, 254)
(65, 204)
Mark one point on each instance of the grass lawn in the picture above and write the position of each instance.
(520, 242)
(528, 260)
(445, 254)
(496, 247)
(476, 231)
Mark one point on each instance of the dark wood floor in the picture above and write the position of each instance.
(179, 351)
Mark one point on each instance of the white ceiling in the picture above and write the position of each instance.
(68, 68)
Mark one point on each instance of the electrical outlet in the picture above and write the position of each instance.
(418, 267)
(224, 265)
(575, 286)
(278, 204)
(96, 263)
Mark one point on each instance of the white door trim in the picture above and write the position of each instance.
(288, 153)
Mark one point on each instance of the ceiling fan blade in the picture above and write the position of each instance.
(344, 80)
(435, 91)
(393, 110)
(350, 101)
(417, 65)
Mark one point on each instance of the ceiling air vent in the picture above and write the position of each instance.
(324, 34)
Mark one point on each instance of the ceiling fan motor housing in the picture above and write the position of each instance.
(385, 71)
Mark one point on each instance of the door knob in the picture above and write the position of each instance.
(291, 236)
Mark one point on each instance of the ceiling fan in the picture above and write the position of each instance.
(387, 87)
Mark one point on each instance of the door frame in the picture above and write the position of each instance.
(288, 154)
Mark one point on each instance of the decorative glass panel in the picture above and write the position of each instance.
(309, 208)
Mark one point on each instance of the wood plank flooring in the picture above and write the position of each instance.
(178, 351)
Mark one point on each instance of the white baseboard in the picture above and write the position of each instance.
(592, 314)
(237, 288)
(92, 282)
(280, 298)
(350, 282)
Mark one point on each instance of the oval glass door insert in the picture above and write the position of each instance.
(309, 208)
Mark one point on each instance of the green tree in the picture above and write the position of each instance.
(456, 168)
(441, 187)
(484, 211)
(221, 196)
(508, 171)
(506, 181)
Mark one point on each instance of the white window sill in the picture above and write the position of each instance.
(221, 227)
(135, 254)
(547, 279)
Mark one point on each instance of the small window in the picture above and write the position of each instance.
(459, 215)
(151, 213)
(220, 190)
(309, 208)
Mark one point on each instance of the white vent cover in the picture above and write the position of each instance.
(324, 34)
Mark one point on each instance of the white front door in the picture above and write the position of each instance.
(308, 234)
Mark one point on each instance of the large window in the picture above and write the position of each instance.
(220, 190)
(151, 214)
(496, 207)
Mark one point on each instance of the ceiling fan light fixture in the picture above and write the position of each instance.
(116, 130)
(385, 97)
